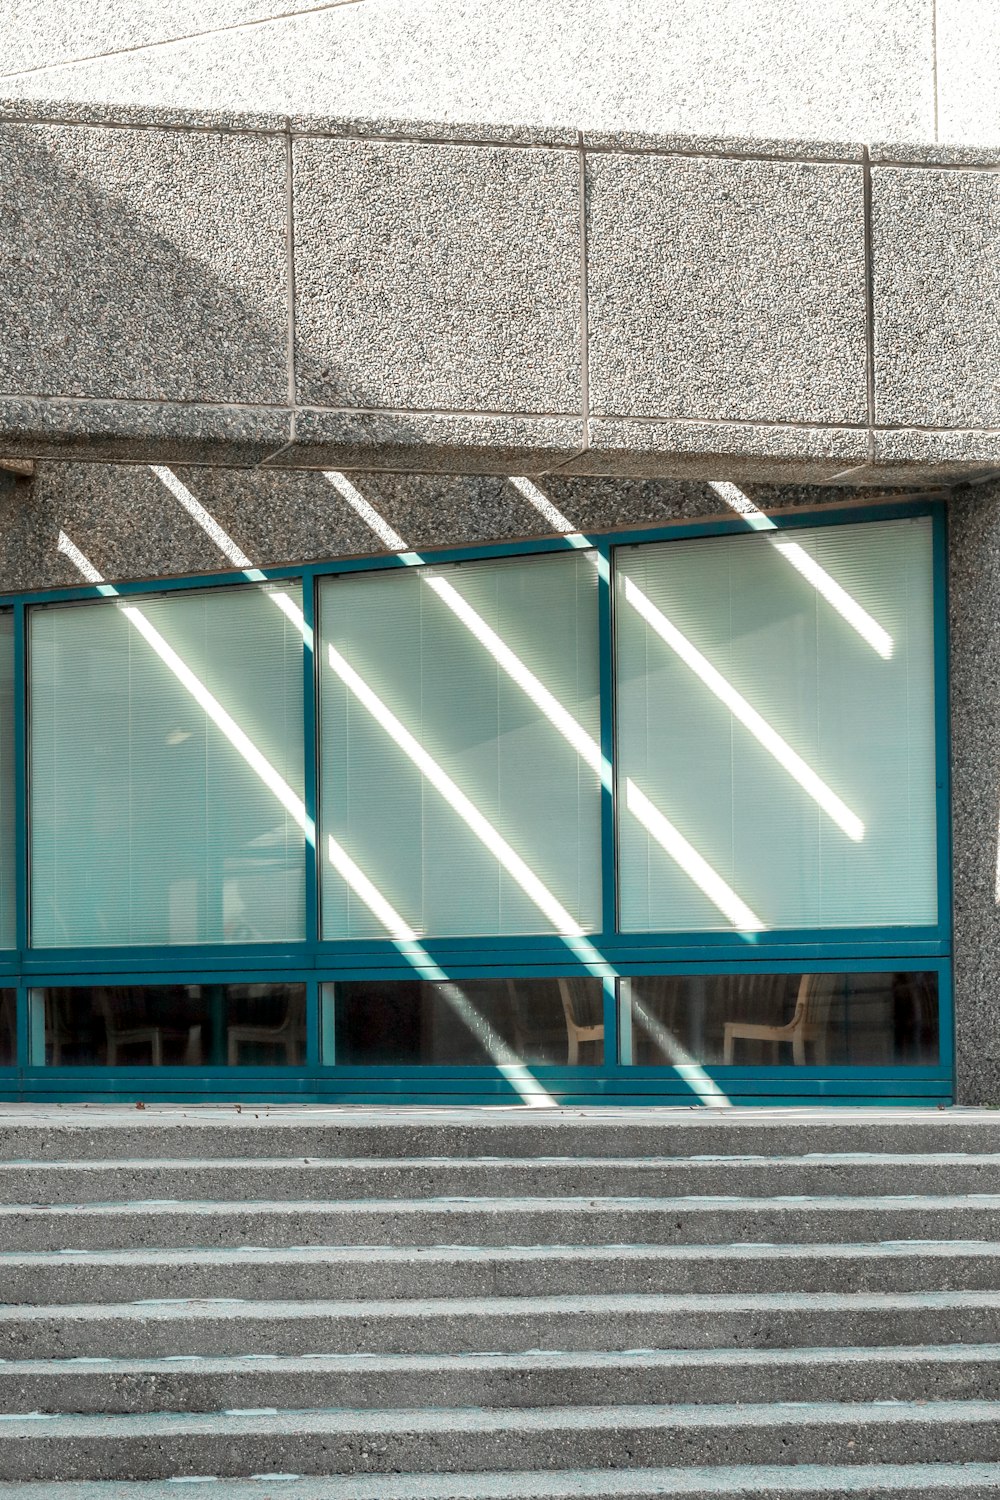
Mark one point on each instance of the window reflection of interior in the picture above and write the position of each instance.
(175, 1025)
(860, 1020)
(411, 1022)
(8, 1028)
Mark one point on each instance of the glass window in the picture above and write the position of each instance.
(749, 1020)
(460, 762)
(174, 1025)
(8, 1028)
(8, 856)
(167, 769)
(775, 721)
(476, 1022)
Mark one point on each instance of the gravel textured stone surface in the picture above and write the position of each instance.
(936, 280)
(145, 265)
(726, 289)
(437, 276)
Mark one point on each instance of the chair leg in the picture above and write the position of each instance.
(728, 1047)
(157, 1047)
(799, 1049)
(572, 1049)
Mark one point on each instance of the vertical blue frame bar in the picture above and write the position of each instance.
(609, 825)
(310, 689)
(22, 854)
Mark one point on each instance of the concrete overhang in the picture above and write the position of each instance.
(642, 291)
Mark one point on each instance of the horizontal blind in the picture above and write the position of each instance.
(167, 769)
(8, 853)
(459, 712)
(775, 722)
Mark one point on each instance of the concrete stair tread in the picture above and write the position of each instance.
(494, 1307)
(529, 1359)
(604, 1204)
(931, 1481)
(848, 1415)
(652, 1163)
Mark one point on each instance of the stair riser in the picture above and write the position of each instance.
(568, 1135)
(173, 1389)
(740, 1484)
(274, 1449)
(71, 1282)
(249, 1182)
(462, 1224)
(235, 1335)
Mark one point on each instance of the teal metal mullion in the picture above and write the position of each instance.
(310, 691)
(609, 827)
(21, 854)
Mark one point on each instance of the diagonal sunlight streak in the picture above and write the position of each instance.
(569, 727)
(516, 1072)
(701, 872)
(762, 731)
(758, 726)
(823, 582)
(438, 777)
(679, 1058)
(237, 737)
(406, 941)
(689, 860)
(580, 946)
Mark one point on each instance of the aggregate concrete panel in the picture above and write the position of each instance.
(726, 290)
(936, 279)
(437, 277)
(846, 69)
(974, 646)
(968, 67)
(718, 450)
(103, 432)
(438, 442)
(145, 265)
(49, 32)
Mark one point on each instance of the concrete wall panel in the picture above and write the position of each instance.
(142, 265)
(936, 288)
(842, 69)
(432, 277)
(726, 289)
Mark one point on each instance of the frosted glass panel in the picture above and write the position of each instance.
(7, 851)
(775, 715)
(167, 769)
(459, 730)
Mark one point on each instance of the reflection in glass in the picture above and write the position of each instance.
(149, 823)
(8, 1028)
(175, 1025)
(749, 1020)
(459, 743)
(384, 1023)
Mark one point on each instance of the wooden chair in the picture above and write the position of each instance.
(287, 1034)
(119, 1037)
(577, 1030)
(808, 1024)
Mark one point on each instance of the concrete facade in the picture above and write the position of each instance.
(625, 250)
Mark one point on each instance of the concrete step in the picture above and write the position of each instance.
(499, 1221)
(103, 1132)
(932, 1481)
(233, 1444)
(953, 1372)
(514, 1324)
(88, 1276)
(243, 1180)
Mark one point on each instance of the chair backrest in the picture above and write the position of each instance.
(812, 1004)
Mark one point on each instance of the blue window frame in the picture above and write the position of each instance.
(608, 955)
